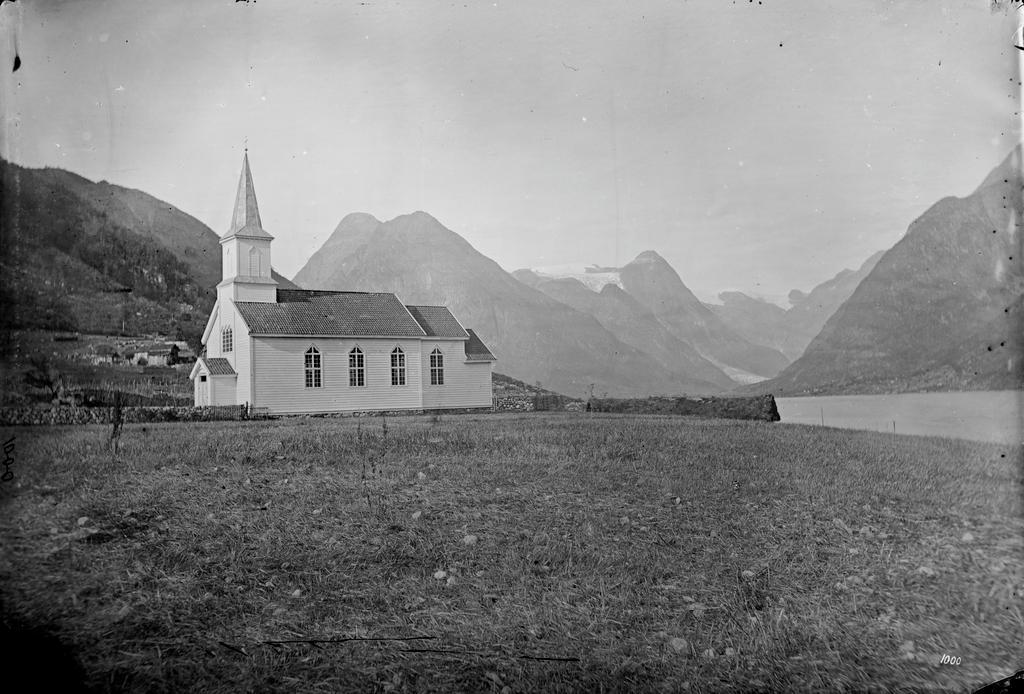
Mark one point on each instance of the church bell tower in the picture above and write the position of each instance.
(245, 249)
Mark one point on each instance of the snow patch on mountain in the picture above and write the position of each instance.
(593, 277)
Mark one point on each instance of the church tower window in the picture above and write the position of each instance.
(255, 261)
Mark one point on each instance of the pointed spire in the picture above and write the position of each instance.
(246, 217)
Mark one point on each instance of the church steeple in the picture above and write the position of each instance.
(245, 220)
(246, 249)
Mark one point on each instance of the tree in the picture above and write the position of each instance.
(43, 374)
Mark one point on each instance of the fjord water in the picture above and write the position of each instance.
(996, 416)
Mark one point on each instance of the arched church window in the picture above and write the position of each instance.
(356, 368)
(255, 262)
(436, 368)
(314, 378)
(397, 367)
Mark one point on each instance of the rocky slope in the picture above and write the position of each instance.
(69, 248)
(790, 330)
(657, 287)
(942, 310)
(635, 325)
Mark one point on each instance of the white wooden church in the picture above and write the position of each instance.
(317, 351)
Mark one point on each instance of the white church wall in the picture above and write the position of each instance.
(222, 390)
(255, 292)
(242, 351)
(466, 384)
(279, 364)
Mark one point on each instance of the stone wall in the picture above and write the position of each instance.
(760, 407)
(514, 403)
(19, 416)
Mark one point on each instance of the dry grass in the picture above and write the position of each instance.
(609, 555)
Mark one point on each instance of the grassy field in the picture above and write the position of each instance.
(514, 553)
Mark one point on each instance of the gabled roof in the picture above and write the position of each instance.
(245, 220)
(437, 321)
(476, 350)
(218, 366)
(330, 314)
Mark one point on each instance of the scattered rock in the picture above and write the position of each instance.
(317, 511)
(709, 653)
(865, 530)
(967, 537)
(469, 540)
(679, 645)
(747, 574)
(416, 515)
(440, 574)
(926, 571)
(624, 520)
(842, 526)
(730, 652)
(421, 475)
(296, 593)
(97, 537)
(83, 520)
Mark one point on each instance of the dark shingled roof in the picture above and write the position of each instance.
(476, 350)
(327, 313)
(218, 366)
(437, 321)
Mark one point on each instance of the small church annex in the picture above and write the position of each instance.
(319, 351)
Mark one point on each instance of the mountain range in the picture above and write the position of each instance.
(535, 337)
(941, 309)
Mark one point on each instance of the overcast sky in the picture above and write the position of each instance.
(759, 146)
